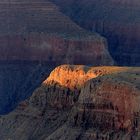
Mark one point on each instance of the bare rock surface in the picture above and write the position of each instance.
(37, 30)
(117, 20)
(99, 103)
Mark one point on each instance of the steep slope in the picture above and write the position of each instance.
(74, 76)
(33, 30)
(108, 108)
(71, 107)
(117, 20)
(18, 80)
(62, 87)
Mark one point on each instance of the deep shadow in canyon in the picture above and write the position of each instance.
(118, 21)
(18, 79)
(37, 31)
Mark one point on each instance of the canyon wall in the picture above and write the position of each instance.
(33, 30)
(87, 103)
(61, 89)
(36, 33)
(118, 21)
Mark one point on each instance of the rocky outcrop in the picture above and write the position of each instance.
(117, 20)
(33, 30)
(61, 89)
(98, 102)
(108, 104)
(75, 76)
(37, 32)
(107, 108)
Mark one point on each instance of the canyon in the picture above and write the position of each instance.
(69, 70)
(35, 37)
(38, 31)
(117, 20)
(87, 103)
(18, 80)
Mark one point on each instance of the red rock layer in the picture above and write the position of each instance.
(53, 48)
(33, 30)
(117, 20)
(107, 107)
(62, 88)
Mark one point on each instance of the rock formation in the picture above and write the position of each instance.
(36, 32)
(62, 87)
(33, 30)
(117, 20)
(75, 102)
(110, 106)
(74, 76)
(79, 102)
(107, 108)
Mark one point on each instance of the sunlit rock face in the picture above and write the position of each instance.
(70, 76)
(74, 76)
(105, 104)
(33, 30)
(117, 20)
(107, 108)
(61, 89)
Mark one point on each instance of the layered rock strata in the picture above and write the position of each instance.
(107, 108)
(36, 32)
(79, 102)
(33, 30)
(117, 20)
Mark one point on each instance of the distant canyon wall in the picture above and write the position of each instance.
(118, 21)
(55, 49)
(33, 30)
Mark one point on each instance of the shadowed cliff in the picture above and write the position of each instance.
(36, 31)
(117, 20)
(33, 30)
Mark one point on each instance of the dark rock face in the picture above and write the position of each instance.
(111, 105)
(37, 31)
(18, 80)
(33, 30)
(117, 20)
(107, 106)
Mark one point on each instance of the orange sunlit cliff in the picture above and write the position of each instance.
(103, 102)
